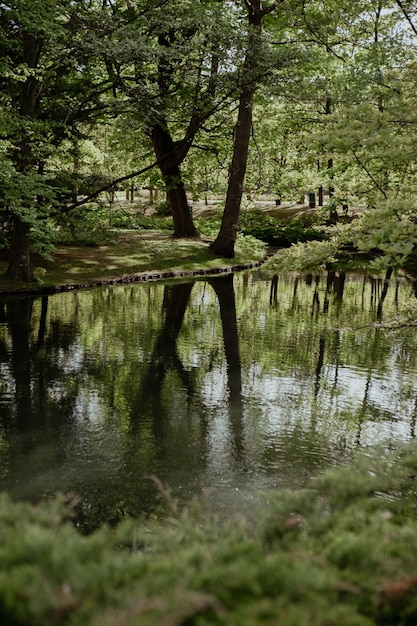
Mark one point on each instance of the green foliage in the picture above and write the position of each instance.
(384, 236)
(209, 226)
(97, 224)
(341, 552)
(89, 225)
(150, 222)
(313, 255)
(392, 230)
(163, 209)
(269, 229)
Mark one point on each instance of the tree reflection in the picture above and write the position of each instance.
(164, 358)
(19, 313)
(103, 388)
(273, 294)
(224, 289)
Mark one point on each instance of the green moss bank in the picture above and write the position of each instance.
(342, 552)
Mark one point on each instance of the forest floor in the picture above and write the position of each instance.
(134, 256)
(140, 255)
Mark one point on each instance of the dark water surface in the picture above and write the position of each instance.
(230, 386)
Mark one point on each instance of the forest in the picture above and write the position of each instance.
(282, 101)
(230, 125)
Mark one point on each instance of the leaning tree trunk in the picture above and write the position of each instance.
(169, 158)
(224, 244)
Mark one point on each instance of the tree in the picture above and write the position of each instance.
(224, 244)
(179, 72)
(50, 86)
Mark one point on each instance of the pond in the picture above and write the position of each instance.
(227, 387)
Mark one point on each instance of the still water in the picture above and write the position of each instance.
(230, 387)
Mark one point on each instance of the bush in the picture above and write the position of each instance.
(94, 225)
(341, 552)
(276, 233)
(86, 226)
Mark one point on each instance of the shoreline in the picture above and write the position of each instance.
(141, 277)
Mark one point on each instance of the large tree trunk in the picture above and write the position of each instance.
(170, 157)
(224, 244)
(20, 263)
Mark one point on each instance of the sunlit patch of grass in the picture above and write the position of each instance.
(134, 253)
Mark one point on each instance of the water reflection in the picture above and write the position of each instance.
(236, 384)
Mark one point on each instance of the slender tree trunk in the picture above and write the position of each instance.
(224, 244)
(169, 163)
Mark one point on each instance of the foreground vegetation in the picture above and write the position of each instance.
(342, 551)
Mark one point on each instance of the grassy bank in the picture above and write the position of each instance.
(342, 552)
(132, 253)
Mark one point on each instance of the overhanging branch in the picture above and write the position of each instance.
(108, 186)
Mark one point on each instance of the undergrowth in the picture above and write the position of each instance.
(341, 552)
(97, 225)
(277, 233)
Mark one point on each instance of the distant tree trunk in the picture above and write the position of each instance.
(328, 111)
(170, 158)
(224, 244)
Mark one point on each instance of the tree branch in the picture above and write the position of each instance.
(117, 181)
(363, 166)
(407, 16)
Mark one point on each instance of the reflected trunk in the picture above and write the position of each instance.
(224, 290)
(20, 314)
(165, 357)
(384, 293)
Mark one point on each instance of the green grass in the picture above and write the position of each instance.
(342, 552)
(133, 253)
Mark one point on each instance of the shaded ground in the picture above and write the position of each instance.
(143, 255)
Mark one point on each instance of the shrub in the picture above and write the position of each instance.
(342, 551)
(276, 233)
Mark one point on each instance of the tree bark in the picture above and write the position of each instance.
(224, 244)
(169, 159)
(20, 263)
